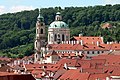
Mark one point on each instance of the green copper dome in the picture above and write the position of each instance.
(58, 24)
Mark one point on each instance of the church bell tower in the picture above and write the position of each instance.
(40, 37)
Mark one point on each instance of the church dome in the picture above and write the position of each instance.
(58, 24)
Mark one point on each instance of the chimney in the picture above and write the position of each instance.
(80, 35)
(77, 42)
(102, 40)
(62, 42)
(107, 78)
(66, 42)
(69, 42)
(65, 66)
(92, 42)
(72, 42)
(76, 53)
(81, 41)
(97, 43)
(110, 42)
(81, 70)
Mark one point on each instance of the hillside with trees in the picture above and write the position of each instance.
(17, 30)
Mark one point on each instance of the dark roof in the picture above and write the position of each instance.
(16, 77)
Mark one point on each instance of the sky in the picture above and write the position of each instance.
(11, 6)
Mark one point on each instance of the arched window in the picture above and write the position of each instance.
(36, 44)
(41, 24)
(37, 31)
(36, 56)
(63, 37)
(41, 31)
(49, 37)
(55, 37)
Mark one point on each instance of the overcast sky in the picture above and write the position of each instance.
(20, 5)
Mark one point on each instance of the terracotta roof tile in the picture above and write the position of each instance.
(74, 75)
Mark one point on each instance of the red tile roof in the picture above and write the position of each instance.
(74, 75)
(98, 76)
(110, 59)
(87, 47)
(89, 40)
(54, 67)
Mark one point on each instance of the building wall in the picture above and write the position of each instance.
(58, 31)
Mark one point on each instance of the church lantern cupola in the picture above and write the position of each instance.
(58, 16)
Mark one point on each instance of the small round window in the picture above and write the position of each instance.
(55, 25)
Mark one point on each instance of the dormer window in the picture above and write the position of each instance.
(55, 25)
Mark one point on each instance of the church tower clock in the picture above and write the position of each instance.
(40, 37)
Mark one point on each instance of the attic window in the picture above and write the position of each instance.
(106, 71)
(56, 67)
(34, 67)
(55, 25)
(52, 66)
(78, 63)
(111, 72)
(40, 73)
(45, 66)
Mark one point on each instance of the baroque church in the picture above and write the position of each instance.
(58, 32)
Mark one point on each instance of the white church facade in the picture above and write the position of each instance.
(58, 31)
